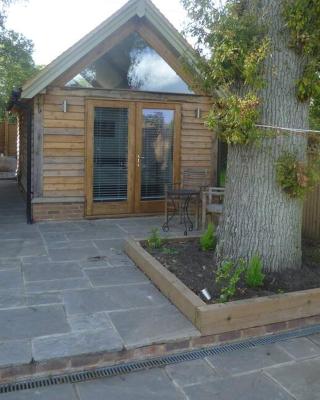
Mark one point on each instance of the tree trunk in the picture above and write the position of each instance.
(259, 218)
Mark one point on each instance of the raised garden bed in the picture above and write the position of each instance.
(182, 270)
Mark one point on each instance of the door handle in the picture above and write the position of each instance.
(139, 158)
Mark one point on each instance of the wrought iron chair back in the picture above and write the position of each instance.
(178, 196)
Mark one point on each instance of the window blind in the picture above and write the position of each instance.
(110, 170)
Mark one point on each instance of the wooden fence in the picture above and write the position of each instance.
(8, 138)
(311, 215)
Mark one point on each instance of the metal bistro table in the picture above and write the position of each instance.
(180, 200)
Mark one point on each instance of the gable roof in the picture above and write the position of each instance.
(134, 8)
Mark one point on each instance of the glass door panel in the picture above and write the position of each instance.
(157, 152)
(110, 157)
(110, 161)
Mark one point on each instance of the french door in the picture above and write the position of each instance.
(132, 152)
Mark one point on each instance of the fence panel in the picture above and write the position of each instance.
(311, 215)
(8, 138)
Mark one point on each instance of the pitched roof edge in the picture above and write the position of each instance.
(173, 36)
(82, 47)
(140, 8)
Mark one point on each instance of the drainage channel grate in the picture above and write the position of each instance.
(126, 368)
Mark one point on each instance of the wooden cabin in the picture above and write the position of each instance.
(113, 119)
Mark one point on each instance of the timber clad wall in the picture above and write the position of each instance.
(63, 147)
(63, 160)
(64, 143)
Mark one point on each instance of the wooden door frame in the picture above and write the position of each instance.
(134, 205)
(109, 208)
(154, 206)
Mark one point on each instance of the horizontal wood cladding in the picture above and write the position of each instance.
(63, 146)
(64, 135)
(59, 115)
(63, 123)
(198, 143)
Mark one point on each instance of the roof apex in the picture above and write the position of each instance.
(139, 8)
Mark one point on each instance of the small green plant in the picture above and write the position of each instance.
(254, 276)
(155, 241)
(169, 250)
(228, 276)
(208, 239)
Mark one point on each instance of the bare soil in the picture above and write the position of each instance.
(197, 270)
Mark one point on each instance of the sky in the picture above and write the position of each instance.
(55, 25)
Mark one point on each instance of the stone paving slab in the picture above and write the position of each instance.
(146, 385)
(191, 372)
(57, 285)
(244, 361)
(144, 326)
(301, 348)
(76, 343)
(36, 259)
(28, 322)
(38, 299)
(115, 276)
(49, 271)
(12, 298)
(21, 248)
(315, 338)
(63, 227)
(97, 232)
(9, 264)
(247, 387)
(95, 262)
(73, 252)
(61, 392)
(108, 244)
(87, 322)
(15, 352)
(11, 279)
(301, 379)
(20, 234)
(112, 298)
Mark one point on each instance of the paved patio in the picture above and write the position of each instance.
(67, 288)
(287, 370)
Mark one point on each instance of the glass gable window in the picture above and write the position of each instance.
(134, 65)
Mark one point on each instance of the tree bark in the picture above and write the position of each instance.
(259, 218)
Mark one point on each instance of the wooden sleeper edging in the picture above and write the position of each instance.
(222, 318)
